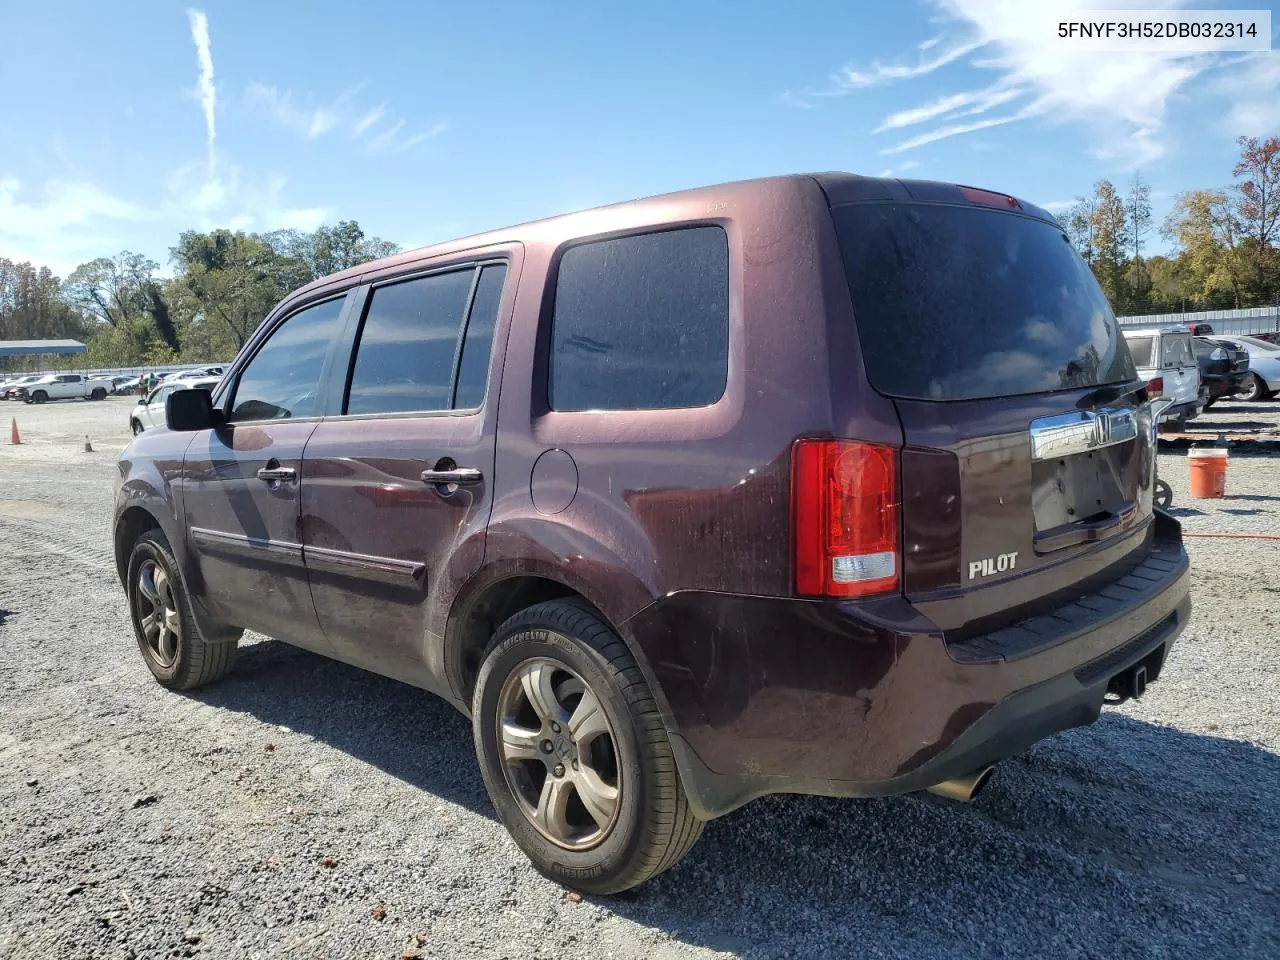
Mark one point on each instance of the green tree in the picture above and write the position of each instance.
(1256, 201)
(1204, 226)
(329, 249)
(30, 307)
(1138, 214)
(232, 280)
(110, 288)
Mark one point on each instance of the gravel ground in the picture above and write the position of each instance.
(303, 809)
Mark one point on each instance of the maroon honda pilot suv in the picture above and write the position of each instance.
(818, 484)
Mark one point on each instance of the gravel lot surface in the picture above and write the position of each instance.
(304, 809)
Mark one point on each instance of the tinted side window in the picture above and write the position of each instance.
(477, 344)
(642, 323)
(1140, 347)
(282, 378)
(404, 361)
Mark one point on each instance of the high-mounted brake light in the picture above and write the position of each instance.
(987, 198)
(844, 518)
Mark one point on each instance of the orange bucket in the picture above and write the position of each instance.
(1207, 469)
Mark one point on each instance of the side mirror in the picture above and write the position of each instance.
(190, 410)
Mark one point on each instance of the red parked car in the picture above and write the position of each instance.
(819, 484)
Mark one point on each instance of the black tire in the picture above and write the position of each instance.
(39, 397)
(98, 394)
(1163, 495)
(136, 426)
(653, 826)
(194, 661)
(1254, 388)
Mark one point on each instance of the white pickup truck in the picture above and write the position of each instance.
(62, 386)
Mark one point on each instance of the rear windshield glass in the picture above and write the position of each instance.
(959, 303)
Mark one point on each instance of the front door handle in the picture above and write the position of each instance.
(277, 474)
(463, 476)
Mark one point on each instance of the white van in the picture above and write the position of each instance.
(1165, 354)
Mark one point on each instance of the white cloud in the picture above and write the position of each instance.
(392, 139)
(880, 73)
(955, 129)
(1121, 96)
(905, 167)
(315, 121)
(208, 92)
(963, 104)
(311, 122)
(368, 120)
(799, 101)
(63, 225)
(1251, 91)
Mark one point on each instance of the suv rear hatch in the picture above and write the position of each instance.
(1027, 466)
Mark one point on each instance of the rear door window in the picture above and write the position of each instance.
(1140, 349)
(960, 303)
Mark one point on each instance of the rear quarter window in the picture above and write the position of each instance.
(959, 303)
(641, 322)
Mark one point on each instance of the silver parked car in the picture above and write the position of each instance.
(1263, 381)
(1165, 354)
(148, 412)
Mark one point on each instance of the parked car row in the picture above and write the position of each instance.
(1195, 371)
(1262, 380)
(57, 386)
(40, 388)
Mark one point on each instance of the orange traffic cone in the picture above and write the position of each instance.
(14, 438)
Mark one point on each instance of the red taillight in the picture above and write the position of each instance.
(1155, 387)
(989, 199)
(844, 518)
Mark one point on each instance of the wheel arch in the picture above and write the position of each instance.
(131, 523)
(501, 590)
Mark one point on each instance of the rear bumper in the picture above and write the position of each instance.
(1188, 410)
(769, 695)
(1225, 386)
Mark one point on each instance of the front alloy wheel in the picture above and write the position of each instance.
(558, 754)
(158, 613)
(175, 649)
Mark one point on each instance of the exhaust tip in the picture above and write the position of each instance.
(965, 788)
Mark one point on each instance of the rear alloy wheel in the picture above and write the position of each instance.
(559, 754)
(1253, 389)
(174, 649)
(98, 394)
(574, 753)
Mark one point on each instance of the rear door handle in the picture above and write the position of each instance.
(464, 476)
(276, 474)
